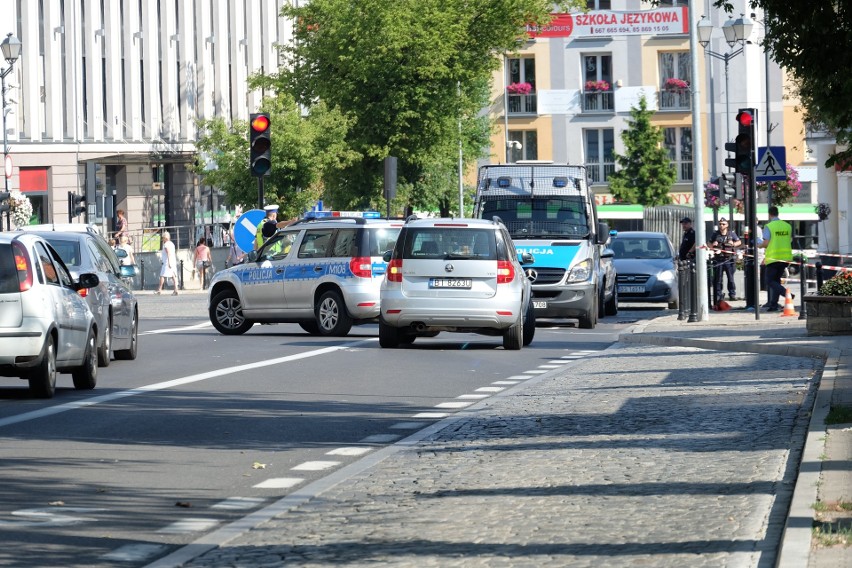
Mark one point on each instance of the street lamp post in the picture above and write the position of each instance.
(11, 48)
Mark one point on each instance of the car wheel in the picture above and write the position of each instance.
(86, 375)
(226, 314)
(332, 317)
(590, 320)
(529, 324)
(611, 307)
(310, 326)
(513, 338)
(105, 348)
(129, 354)
(673, 305)
(601, 306)
(389, 336)
(42, 379)
(407, 338)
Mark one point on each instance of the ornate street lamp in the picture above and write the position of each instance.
(11, 48)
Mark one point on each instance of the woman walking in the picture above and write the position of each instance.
(203, 261)
(168, 260)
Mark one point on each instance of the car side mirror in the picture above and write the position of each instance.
(128, 271)
(387, 255)
(602, 235)
(527, 258)
(87, 280)
(607, 253)
(252, 256)
(120, 253)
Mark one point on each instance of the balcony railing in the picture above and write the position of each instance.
(599, 173)
(598, 101)
(522, 104)
(675, 100)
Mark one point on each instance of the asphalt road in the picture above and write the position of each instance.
(202, 428)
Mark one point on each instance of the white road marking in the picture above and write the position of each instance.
(196, 524)
(44, 516)
(173, 329)
(536, 371)
(135, 552)
(453, 404)
(95, 400)
(315, 465)
(349, 451)
(490, 389)
(279, 483)
(379, 439)
(238, 503)
(474, 396)
(431, 415)
(407, 425)
(551, 366)
(506, 382)
(558, 363)
(518, 378)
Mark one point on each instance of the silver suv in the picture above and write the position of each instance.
(459, 275)
(46, 327)
(323, 274)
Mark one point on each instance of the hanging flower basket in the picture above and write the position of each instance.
(676, 85)
(823, 211)
(711, 196)
(784, 192)
(519, 89)
(596, 86)
(20, 208)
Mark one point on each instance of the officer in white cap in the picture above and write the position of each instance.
(271, 217)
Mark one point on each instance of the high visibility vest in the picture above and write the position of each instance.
(780, 245)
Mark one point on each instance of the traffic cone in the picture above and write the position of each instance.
(723, 306)
(789, 308)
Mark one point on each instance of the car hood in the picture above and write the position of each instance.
(642, 265)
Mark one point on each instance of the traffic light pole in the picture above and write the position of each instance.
(260, 192)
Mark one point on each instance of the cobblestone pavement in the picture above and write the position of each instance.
(641, 455)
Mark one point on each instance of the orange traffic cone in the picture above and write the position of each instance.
(789, 308)
(723, 306)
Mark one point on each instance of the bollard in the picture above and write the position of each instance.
(693, 292)
(803, 286)
(179, 275)
(682, 301)
(142, 278)
(819, 276)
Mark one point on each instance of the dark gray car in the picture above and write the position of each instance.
(646, 268)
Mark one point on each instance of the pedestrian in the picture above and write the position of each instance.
(168, 263)
(203, 261)
(124, 245)
(120, 225)
(778, 242)
(271, 217)
(235, 253)
(724, 243)
(687, 242)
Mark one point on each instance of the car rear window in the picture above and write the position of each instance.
(446, 243)
(641, 248)
(382, 239)
(69, 251)
(8, 272)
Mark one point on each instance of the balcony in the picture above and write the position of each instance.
(522, 104)
(679, 100)
(598, 101)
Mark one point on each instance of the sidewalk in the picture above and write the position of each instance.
(686, 457)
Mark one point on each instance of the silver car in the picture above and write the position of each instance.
(46, 327)
(112, 302)
(647, 267)
(460, 275)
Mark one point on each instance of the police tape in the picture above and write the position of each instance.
(741, 254)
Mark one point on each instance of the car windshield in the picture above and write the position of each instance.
(449, 243)
(546, 216)
(69, 251)
(641, 248)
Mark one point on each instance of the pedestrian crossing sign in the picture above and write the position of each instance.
(771, 163)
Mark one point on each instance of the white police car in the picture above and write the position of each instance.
(322, 273)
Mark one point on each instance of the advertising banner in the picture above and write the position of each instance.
(663, 21)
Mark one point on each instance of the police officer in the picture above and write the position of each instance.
(778, 242)
(272, 219)
(724, 243)
(687, 242)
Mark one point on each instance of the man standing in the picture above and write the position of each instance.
(724, 243)
(687, 243)
(271, 217)
(778, 242)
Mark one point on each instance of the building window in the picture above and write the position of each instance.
(520, 93)
(598, 4)
(597, 83)
(674, 73)
(675, 3)
(678, 142)
(600, 162)
(528, 140)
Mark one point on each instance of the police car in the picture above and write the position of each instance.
(323, 273)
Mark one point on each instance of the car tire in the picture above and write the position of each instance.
(601, 305)
(332, 317)
(129, 354)
(407, 338)
(389, 336)
(590, 320)
(86, 375)
(310, 326)
(513, 338)
(673, 305)
(42, 379)
(529, 324)
(611, 307)
(105, 348)
(226, 314)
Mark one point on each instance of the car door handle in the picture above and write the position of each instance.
(279, 271)
(317, 268)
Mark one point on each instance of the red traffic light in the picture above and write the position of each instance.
(745, 118)
(260, 123)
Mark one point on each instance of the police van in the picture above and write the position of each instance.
(321, 272)
(550, 212)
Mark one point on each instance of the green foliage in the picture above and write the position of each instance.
(406, 73)
(305, 149)
(838, 285)
(813, 41)
(646, 174)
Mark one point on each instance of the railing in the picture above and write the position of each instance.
(598, 101)
(675, 100)
(599, 173)
(523, 104)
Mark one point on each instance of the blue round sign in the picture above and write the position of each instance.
(245, 229)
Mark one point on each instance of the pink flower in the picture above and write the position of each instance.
(676, 84)
(597, 86)
(519, 89)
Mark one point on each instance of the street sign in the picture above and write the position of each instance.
(771, 163)
(245, 229)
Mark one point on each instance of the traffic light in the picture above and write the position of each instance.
(5, 201)
(76, 205)
(743, 145)
(260, 144)
(728, 184)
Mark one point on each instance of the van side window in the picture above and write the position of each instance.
(346, 243)
(315, 243)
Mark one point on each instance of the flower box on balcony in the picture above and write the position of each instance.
(519, 89)
(676, 85)
(597, 86)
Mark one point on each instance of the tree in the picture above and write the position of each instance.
(813, 42)
(646, 172)
(305, 149)
(405, 73)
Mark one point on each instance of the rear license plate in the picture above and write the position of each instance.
(539, 304)
(631, 289)
(450, 282)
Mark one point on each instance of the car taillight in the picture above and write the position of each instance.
(25, 269)
(395, 270)
(505, 272)
(361, 266)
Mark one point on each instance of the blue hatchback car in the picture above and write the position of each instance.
(646, 268)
